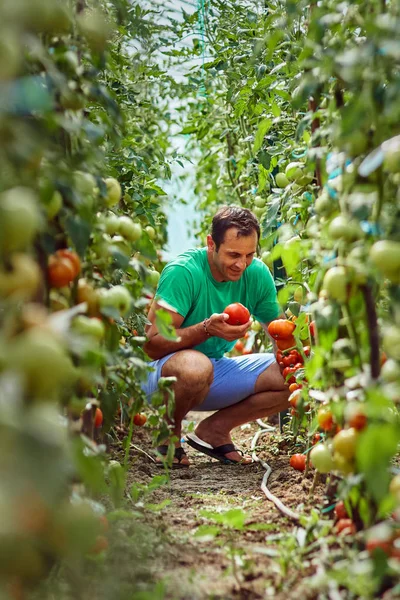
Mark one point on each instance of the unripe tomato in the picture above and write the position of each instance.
(345, 443)
(385, 255)
(60, 272)
(139, 419)
(98, 418)
(321, 458)
(298, 462)
(281, 329)
(73, 257)
(345, 526)
(340, 511)
(238, 314)
(335, 283)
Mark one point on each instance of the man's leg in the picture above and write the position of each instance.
(194, 373)
(270, 397)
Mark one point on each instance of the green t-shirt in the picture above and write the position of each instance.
(188, 286)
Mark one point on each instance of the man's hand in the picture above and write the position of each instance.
(218, 327)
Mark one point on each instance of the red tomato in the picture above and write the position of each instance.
(279, 356)
(294, 386)
(239, 346)
(307, 350)
(60, 272)
(313, 329)
(294, 412)
(358, 421)
(288, 361)
(98, 418)
(281, 329)
(139, 419)
(316, 438)
(238, 314)
(345, 526)
(73, 257)
(298, 462)
(383, 545)
(340, 511)
(285, 344)
(289, 371)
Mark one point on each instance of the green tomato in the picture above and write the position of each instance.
(54, 206)
(153, 277)
(390, 371)
(325, 205)
(391, 161)
(259, 211)
(111, 224)
(335, 283)
(391, 342)
(87, 326)
(85, 183)
(42, 361)
(130, 230)
(266, 257)
(113, 191)
(341, 228)
(345, 443)
(294, 171)
(23, 280)
(281, 180)
(385, 255)
(298, 295)
(117, 297)
(260, 201)
(151, 232)
(19, 218)
(321, 458)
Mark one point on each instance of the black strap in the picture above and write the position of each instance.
(178, 454)
(224, 449)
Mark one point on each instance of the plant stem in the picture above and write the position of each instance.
(373, 331)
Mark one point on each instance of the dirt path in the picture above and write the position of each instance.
(199, 568)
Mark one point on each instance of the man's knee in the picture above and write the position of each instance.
(191, 368)
(271, 380)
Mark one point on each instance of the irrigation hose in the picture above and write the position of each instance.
(278, 503)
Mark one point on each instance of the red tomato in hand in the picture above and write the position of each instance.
(238, 314)
(281, 329)
(298, 462)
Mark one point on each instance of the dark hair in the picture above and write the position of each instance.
(233, 216)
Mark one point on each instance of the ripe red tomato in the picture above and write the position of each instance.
(316, 438)
(325, 419)
(239, 346)
(73, 257)
(383, 545)
(60, 272)
(358, 421)
(281, 329)
(293, 387)
(238, 314)
(279, 356)
(98, 418)
(345, 526)
(340, 511)
(307, 350)
(139, 419)
(289, 371)
(298, 462)
(313, 329)
(285, 344)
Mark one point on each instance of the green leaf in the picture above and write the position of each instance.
(165, 326)
(206, 533)
(263, 127)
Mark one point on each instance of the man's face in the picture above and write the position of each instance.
(234, 255)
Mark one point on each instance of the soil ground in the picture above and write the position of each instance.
(200, 568)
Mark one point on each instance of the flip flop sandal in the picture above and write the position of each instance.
(218, 452)
(178, 454)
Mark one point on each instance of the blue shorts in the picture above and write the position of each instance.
(234, 379)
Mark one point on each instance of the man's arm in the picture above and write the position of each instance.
(157, 346)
